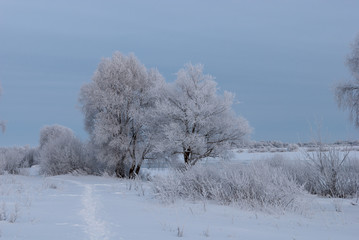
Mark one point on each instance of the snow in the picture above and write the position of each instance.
(90, 207)
(246, 155)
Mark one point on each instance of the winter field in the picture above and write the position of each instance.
(102, 207)
(164, 151)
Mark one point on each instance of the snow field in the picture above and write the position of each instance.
(89, 207)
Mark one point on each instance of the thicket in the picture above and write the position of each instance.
(13, 159)
(60, 152)
(264, 184)
(257, 185)
(327, 171)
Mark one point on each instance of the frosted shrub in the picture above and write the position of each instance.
(296, 169)
(348, 179)
(256, 185)
(330, 172)
(326, 173)
(62, 153)
(292, 147)
(12, 159)
(343, 182)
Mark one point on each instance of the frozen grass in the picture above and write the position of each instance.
(257, 186)
(321, 173)
(14, 198)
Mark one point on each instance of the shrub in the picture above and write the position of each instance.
(61, 152)
(13, 158)
(330, 172)
(323, 173)
(255, 185)
(292, 147)
(62, 155)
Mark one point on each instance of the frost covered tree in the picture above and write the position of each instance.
(347, 93)
(49, 133)
(197, 121)
(118, 106)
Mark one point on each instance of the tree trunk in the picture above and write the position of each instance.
(333, 183)
(132, 173)
(187, 155)
(138, 168)
(120, 168)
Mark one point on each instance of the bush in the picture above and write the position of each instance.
(330, 172)
(13, 158)
(61, 155)
(61, 152)
(292, 147)
(325, 173)
(255, 185)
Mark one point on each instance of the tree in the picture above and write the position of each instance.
(48, 133)
(347, 93)
(118, 105)
(197, 121)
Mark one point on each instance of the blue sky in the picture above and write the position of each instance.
(281, 58)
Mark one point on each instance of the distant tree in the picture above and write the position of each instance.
(118, 106)
(51, 132)
(197, 121)
(347, 93)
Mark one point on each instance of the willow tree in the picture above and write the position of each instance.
(118, 104)
(197, 121)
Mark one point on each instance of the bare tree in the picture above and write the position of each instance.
(347, 93)
(118, 105)
(197, 121)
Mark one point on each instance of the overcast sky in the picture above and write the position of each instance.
(281, 58)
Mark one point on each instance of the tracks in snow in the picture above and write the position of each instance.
(95, 228)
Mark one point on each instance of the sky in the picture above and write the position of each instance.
(282, 58)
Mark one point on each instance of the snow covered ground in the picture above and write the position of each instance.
(247, 155)
(102, 208)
